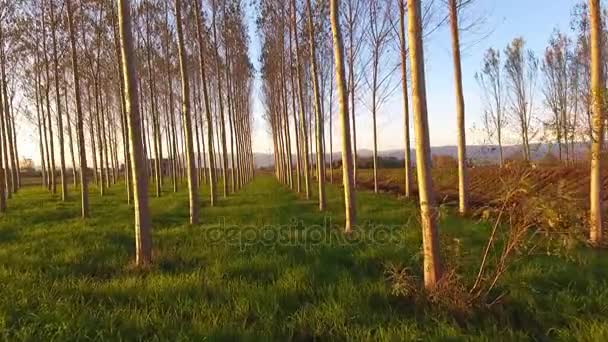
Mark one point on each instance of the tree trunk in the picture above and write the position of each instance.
(463, 202)
(428, 210)
(64, 183)
(303, 125)
(598, 93)
(82, 153)
(143, 226)
(406, 109)
(211, 161)
(317, 107)
(187, 121)
(347, 160)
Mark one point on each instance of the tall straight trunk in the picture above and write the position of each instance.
(317, 107)
(195, 105)
(11, 178)
(17, 173)
(598, 94)
(62, 173)
(70, 139)
(295, 118)
(463, 202)
(104, 136)
(285, 111)
(92, 136)
(153, 109)
(303, 134)
(82, 153)
(406, 107)
(347, 160)
(187, 121)
(428, 210)
(48, 110)
(351, 92)
(14, 161)
(331, 131)
(143, 225)
(123, 117)
(40, 134)
(374, 112)
(222, 128)
(8, 179)
(99, 139)
(211, 161)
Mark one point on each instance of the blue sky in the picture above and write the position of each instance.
(534, 20)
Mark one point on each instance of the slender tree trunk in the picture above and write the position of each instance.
(64, 183)
(317, 107)
(428, 210)
(598, 94)
(211, 161)
(143, 225)
(347, 160)
(82, 153)
(300, 86)
(187, 121)
(222, 128)
(70, 139)
(462, 144)
(406, 108)
(40, 135)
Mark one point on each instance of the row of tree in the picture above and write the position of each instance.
(542, 98)
(150, 91)
(297, 92)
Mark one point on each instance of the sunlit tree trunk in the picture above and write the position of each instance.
(222, 125)
(62, 174)
(143, 225)
(303, 129)
(428, 210)
(48, 110)
(598, 97)
(406, 108)
(40, 134)
(210, 157)
(187, 120)
(317, 108)
(82, 153)
(463, 202)
(70, 138)
(347, 158)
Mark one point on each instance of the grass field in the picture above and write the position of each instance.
(266, 265)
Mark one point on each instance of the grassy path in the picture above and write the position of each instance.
(264, 265)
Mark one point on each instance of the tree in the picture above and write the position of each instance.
(143, 225)
(301, 105)
(521, 67)
(186, 118)
(347, 158)
(598, 97)
(64, 184)
(378, 36)
(491, 82)
(406, 110)
(82, 153)
(211, 161)
(317, 107)
(557, 68)
(463, 204)
(428, 210)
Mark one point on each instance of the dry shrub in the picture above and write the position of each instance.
(401, 280)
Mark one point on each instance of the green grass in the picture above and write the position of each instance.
(265, 265)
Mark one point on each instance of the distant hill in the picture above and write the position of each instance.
(476, 153)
